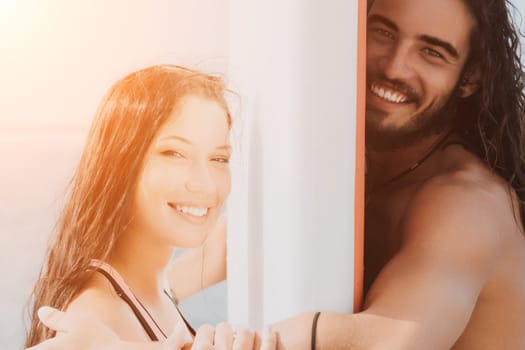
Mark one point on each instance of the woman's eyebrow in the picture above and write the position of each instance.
(225, 147)
(175, 137)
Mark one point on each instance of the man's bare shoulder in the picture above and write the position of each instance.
(467, 192)
(468, 214)
(466, 209)
(99, 300)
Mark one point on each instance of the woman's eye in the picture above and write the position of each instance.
(221, 160)
(171, 153)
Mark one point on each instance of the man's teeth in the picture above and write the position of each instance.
(388, 95)
(192, 211)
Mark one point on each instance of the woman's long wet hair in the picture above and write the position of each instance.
(100, 197)
(492, 119)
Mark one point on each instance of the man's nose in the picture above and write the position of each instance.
(397, 65)
(200, 179)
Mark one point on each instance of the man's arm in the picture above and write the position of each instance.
(83, 332)
(199, 268)
(88, 333)
(423, 298)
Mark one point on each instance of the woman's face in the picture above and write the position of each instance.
(186, 175)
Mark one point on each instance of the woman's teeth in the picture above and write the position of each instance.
(388, 94)
(192, 210)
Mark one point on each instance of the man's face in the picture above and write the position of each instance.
(416, 51)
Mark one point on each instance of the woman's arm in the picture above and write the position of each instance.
(199, 268)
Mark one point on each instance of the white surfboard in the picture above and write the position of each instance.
(295, 235)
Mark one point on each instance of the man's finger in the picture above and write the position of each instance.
(53, 318)
(204, 338)
(179, 337)
(223, 336)
(243, 339)
(268, 339)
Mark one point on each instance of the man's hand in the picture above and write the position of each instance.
(224, 337)
(82, 332)
(75, 332)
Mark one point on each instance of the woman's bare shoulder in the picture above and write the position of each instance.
(99, 300)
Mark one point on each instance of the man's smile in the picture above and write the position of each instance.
(387, 93)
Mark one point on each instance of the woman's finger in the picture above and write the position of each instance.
(223, 336)
(204, 338)
(243, 339)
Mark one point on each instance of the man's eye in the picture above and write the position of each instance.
(382, 32)
(431, 52)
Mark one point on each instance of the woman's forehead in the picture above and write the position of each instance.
(197, 119)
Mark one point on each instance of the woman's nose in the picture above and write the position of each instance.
(199, 179)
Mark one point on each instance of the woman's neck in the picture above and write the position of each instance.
(141, 261)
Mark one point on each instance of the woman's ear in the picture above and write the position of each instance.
(470, 82)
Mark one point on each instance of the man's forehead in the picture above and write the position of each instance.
(448, 20)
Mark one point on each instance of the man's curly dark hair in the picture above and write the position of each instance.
(493, 118)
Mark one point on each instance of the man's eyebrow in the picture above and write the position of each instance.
(382, 19)
(451, 50)
(441, 43)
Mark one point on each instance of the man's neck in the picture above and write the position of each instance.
(384, 165)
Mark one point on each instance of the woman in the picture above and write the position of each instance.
(154, 175)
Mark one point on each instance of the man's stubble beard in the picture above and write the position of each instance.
(427, 123)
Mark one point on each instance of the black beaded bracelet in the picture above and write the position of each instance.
(314, 329)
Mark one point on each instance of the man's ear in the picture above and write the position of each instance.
(470, 82)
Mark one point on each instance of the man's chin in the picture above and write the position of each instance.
(380, 138)
(381, 141)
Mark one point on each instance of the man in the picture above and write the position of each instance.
(445, 245)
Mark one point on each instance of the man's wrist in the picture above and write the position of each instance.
(313, 336)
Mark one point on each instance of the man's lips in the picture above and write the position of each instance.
(391, 93)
